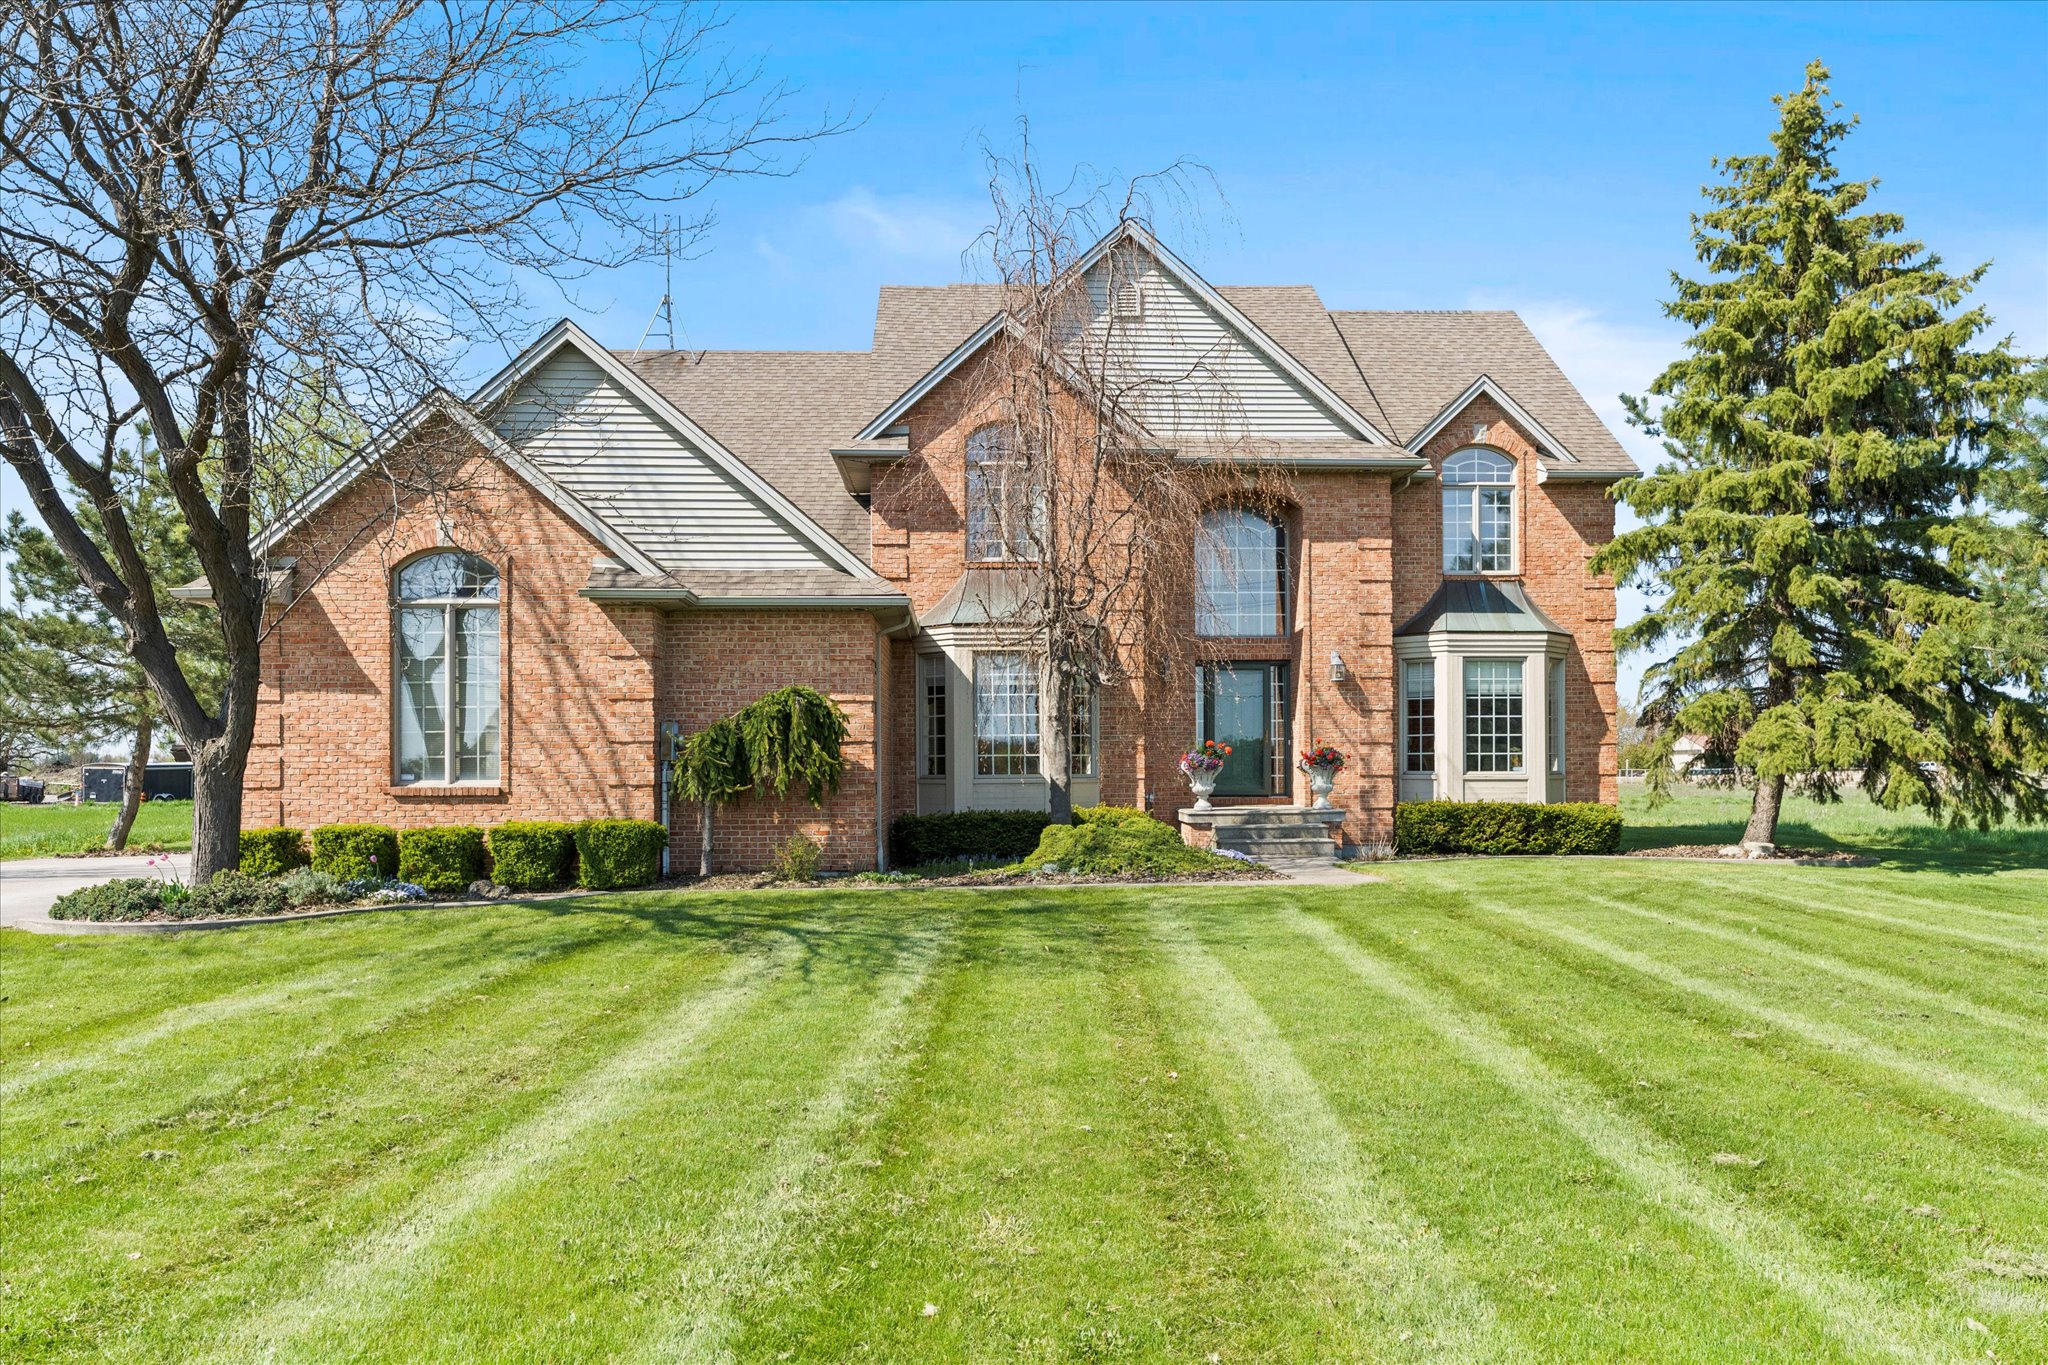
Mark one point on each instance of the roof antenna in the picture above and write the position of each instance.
(665, 311)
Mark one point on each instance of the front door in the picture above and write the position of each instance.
(1245, 707)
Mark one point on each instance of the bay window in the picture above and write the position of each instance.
(1006, 719)
(1418, 716)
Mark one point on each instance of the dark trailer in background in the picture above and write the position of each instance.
(161, 782)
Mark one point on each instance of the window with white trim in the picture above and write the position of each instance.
(1493, 715)
(1553, 705)
(1006, 514)
(1479, 512)
(445, 622)
(1006, 720)
(932, 698)
(1418, 716)
(1240, 574)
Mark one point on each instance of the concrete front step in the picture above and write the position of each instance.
(1315, 846)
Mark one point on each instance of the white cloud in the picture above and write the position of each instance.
(901, 227)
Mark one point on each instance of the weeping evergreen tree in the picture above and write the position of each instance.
(787, 738)
(1812, 543)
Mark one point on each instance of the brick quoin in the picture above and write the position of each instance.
(585, 685)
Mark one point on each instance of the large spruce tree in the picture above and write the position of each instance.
(1811, 544)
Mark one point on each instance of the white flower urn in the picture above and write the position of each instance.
(1322, 780)
(1202, 782)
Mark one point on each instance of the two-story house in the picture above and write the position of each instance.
(617, 547)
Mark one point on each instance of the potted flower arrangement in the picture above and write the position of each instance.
(1322, 764)
(1200, 765)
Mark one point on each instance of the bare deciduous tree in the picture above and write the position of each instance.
(255, 224)
(1099, 439)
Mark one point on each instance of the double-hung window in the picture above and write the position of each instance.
(1418, 716)
(1479, 512)
(1006, 511)
(446, 628)
(1493, 715)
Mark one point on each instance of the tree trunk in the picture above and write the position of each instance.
(1763, 812)
(704, 841)
(131, 786)
(1055, 751)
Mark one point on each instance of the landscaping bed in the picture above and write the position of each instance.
(1807, 857)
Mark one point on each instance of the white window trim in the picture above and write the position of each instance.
(1557, 714)
(449, 606)
(1513, 484)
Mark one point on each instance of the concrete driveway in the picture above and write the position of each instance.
(30, 886)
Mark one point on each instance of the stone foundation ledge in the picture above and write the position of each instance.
(1198, 827)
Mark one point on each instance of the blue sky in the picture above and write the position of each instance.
(1541, 158)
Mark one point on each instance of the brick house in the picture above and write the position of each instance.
(635, 543)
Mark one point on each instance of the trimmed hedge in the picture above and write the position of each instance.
(272, 852)
(616, 853)
(1002, 834)
(1497, 827)
(356, 852)
(533, 855)
(442, 857)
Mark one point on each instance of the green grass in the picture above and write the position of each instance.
(1509, 1110)
(53, 827)
(1900, 839)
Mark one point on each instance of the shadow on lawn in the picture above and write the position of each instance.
(1902, 848)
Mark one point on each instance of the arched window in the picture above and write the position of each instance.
(446, 624)
(1005, 502)
(1240, 574)
(1479, 513)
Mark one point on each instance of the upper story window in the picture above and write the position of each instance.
(1479, 513)
(1005, 504)
(445, 619)
(1240, 574)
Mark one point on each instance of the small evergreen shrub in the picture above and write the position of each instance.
(125, 898)
(1111, 815)
(1003, 835)
(795, 860)
(441, 857)
(356, 852)
(1504, 827)
(304, 886)
(533, 855)
(1116, 845)
(233, 895)
(616, 853)
(272, 852)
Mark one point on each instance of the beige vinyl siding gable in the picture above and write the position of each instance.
(1196, 374)
(630, 468)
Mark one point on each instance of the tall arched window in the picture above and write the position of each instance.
(1240, 574)
(1479, 513)
(1005, 500)
(446, 624)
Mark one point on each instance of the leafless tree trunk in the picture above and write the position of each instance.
(1091, 461)
(215, 214)
(133, 783)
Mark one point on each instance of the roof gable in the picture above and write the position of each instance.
(1190, 329)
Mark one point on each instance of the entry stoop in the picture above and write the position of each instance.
(1279, 835)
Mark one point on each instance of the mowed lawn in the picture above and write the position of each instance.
(1483, 1111)
(59, 827)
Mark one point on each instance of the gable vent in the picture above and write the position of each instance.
(1128, 302)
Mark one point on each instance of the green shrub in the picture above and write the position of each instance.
(356, 852)
(1110, 844)
(309, 886)
(272, 852)
(795, 860)
(126, 898)
(441, 857)
(615, 853)
(231, 894)
(1003, 835)
(533, 855)
(1497, 827)
(1111, 815)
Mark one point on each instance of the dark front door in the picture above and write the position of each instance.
(1245, 707)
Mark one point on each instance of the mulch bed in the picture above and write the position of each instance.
(1805, 857)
